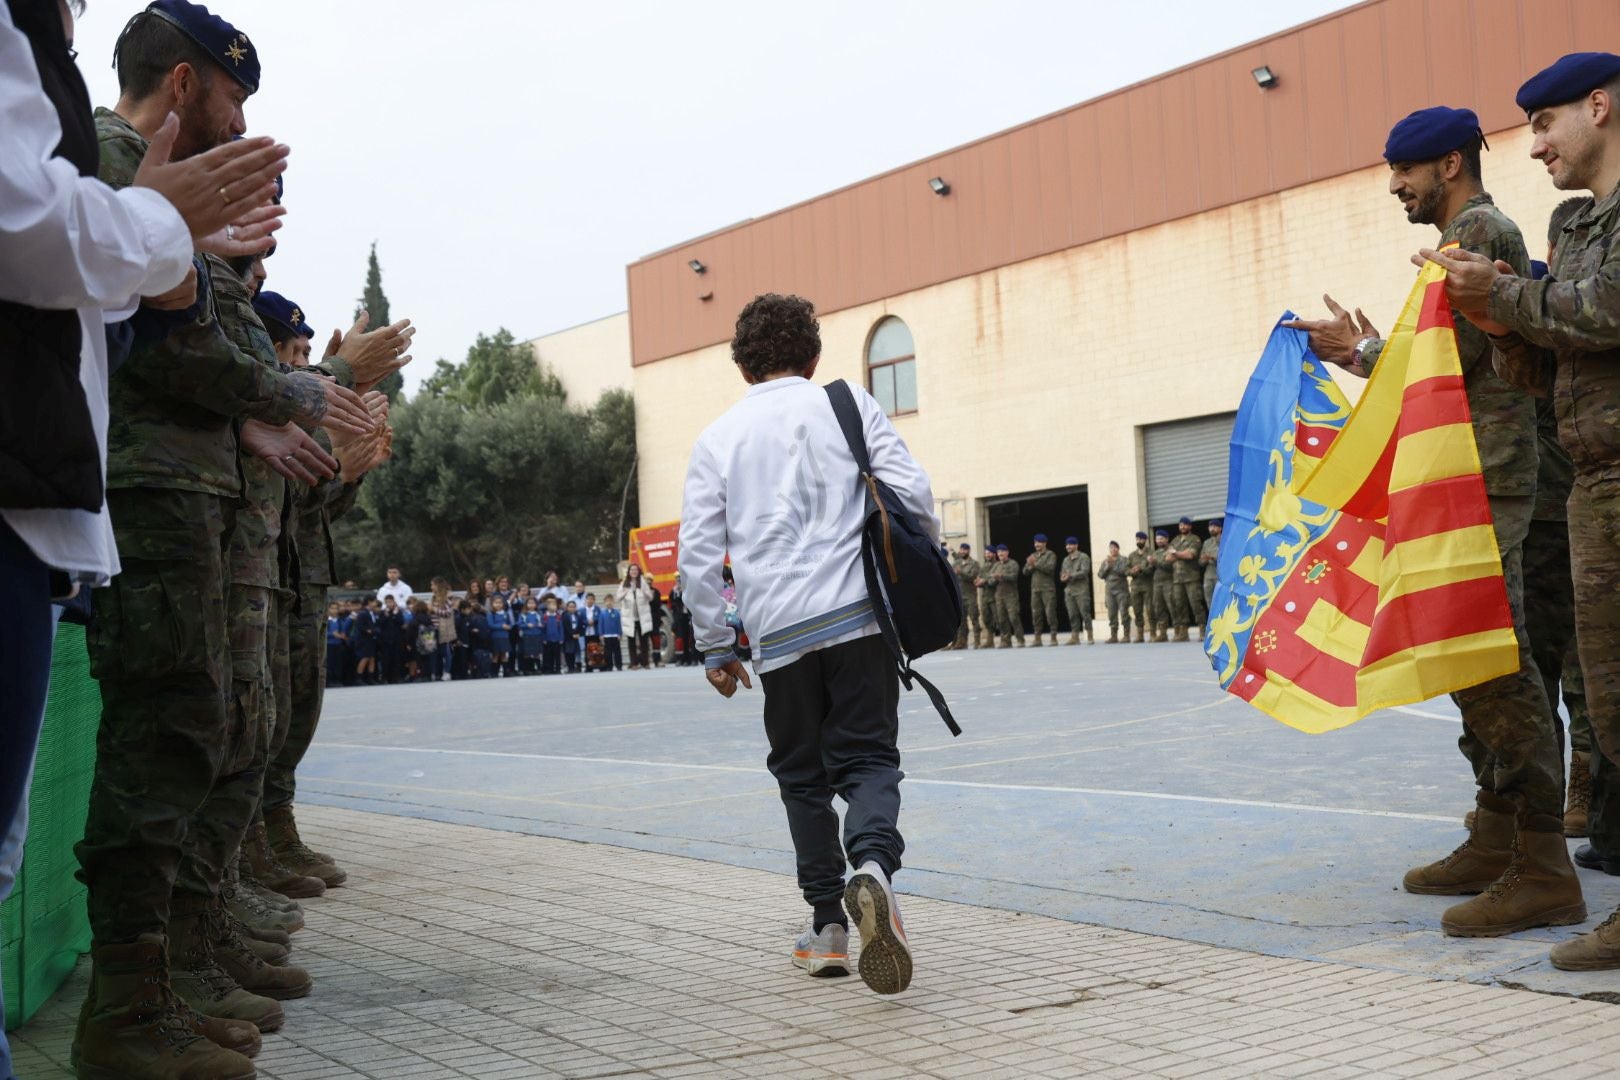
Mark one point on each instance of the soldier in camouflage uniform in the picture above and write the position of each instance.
(1116, 593)
(159, 641)
(1186, 581)
(1164, 595)
(1041, 569)
(967, 572)
(1139, 570)
(1515, 852)
(988, 614)
(1075, 573)
(1210, 558)
(1560, 338)
(1010, 617)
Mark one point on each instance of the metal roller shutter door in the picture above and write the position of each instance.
(1186, 468)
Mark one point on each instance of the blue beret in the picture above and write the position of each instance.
(273, 307)
(228, 46)
(1160, 534)
(1141, 536)
(1431, 133)
(1072, 540)
(1573, 76)
(1002, 547)
(965, 547)
(1218, 521)
(1185, 521)
(1040, 538)
(1538, 270)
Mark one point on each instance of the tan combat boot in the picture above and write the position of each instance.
(264, 866)
(1595, 951)
(1113, 636)
(239, 961)
(1054, 639)
(1477, 863)
(197, 976)
(1539, 888)
(298, 856)
(1074, 638)
(263, 921)
(1089, 639)
(1020, 640)
(1578, 809)
(1037, 641)
(1180, 634)
(132, 1026)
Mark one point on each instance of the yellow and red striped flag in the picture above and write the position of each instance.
(1387, 585)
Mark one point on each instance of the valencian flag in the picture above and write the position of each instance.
(1360, 569)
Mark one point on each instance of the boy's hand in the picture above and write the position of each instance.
(726, 677)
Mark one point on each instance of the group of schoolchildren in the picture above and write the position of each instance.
(377, 640)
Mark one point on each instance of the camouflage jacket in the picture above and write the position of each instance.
(1186, 570)
(1077, 568)
(1112, 571)
(1556, 475)
(1043, 574)
(1504, 416)
(967, 571)
(1565, 338)
(1139, 568)
(1164, 565)
(1209, 556)
(173, 403)
(1005, 576)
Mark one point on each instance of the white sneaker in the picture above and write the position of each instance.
(824, 955)
(885, 963)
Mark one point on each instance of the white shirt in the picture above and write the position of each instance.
(773, 483)
(69, 242)
(400, 591)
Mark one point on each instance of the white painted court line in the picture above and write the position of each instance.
(1428, 715)
(1051, 789)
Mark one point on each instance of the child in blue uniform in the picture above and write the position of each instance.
(529, 633)
(573, 632)
(553, 634)
(337, 640)
(610, 624)
(500, 634)
(478, 636)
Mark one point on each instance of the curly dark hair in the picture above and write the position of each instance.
(776, 333)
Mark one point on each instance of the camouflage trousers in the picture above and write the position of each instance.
(1193, 610)
(1009, 615)
(1164, 604)
(1549, 618)
(987, 611)
(216, 830)
(306, 668)
(1119, 610)
(970, 617)
(1509, 734)
(1209, 589)
(1142, 605)
(1594, 514)
(1043, 609)
(158, 646)
(1078, 602)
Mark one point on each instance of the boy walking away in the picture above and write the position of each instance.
(611, 623)
(773, 483)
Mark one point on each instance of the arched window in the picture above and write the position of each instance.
(891, 367)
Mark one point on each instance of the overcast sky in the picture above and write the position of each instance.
(510, 159)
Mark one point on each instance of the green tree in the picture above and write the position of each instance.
(494, 473)
(375, 303)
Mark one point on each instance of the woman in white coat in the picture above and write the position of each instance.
(635, 603)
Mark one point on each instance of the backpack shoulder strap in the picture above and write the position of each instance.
(849, 419)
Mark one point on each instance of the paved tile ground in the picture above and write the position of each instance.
(464, 952)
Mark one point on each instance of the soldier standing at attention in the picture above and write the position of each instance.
(1004, 573)
(1076, 576)
(1116, 593)
(1186, 581)
(1139, 569)
(1164, 602)
(1560, 337)
(1210, 557)
(988, 615)
(1041, 569)
(1515, 854)
(967, 574)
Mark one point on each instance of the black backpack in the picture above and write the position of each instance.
(913, 588)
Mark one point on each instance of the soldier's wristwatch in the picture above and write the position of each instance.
(1365, 351)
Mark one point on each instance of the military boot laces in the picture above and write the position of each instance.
(239, 961)
(164, 1012)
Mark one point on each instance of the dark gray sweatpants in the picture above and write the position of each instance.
(832, 718)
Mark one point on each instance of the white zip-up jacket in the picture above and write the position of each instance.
(772, 483)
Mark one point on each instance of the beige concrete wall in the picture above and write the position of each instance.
(589, 358)
(1039, 375)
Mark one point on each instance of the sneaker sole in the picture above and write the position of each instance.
(1568, 916)
(823, 967)
(885, 963)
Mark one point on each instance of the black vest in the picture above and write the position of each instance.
(49, 458)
